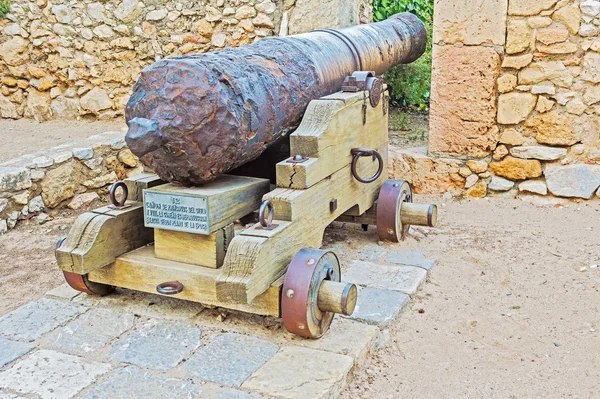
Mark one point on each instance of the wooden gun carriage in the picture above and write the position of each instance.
(184, 242)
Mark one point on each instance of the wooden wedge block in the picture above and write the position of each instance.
(195, 249)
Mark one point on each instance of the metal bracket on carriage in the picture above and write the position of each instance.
(365, 81)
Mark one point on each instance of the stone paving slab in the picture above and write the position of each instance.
(10, 351)
(63, 291)
(32, 320)
(131, 382)
(379, 307)
(91, 331)
(230, 359)
(300, 373)
(51, 375)
(157, 345)
(226, 393)
(406, 279)
(6, 395)
(371, 252)
(345, 337)
(410, 258)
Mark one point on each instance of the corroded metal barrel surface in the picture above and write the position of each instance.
(194, 118)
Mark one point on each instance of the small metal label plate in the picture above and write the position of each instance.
(176, 212)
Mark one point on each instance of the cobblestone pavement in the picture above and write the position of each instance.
(136, 345)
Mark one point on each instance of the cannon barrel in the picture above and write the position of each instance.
(193, 118)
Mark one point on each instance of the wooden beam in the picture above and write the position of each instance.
(99, 236)
(140, 270)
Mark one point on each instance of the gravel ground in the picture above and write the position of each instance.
(511, 310)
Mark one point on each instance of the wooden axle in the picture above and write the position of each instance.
(410, 213)
(337, 297)
(418, 214)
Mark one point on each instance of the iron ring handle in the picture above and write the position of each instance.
(113, 193)
(169, 288)
(265, 213)
(366, 152)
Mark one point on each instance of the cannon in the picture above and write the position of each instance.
(194, 118)
(208, 226)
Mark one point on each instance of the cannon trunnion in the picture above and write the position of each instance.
(188, 242)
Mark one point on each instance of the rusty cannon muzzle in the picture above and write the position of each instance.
(196, 117)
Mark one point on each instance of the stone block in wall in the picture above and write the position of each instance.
(541, 152)
(554, 128)
(591, 68)
(516, 168)
(15, 51)
(13, 179)
(427, 174)
(59, 184)
(517, 61)
(534, 186)
(96, 100)
(38, 106)
(471, 22)
(518, 36)
(463, 101)
(529, 7)
(515, 107)
(309, 15)
(553, 71)
(575, 181)
(8, 110)
(569, 16)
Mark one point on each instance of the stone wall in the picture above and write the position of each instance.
(515, 101)
(39, 185)
(71, 59)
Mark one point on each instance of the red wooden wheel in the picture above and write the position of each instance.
(299, 297)
(81, 283)
(389, 204)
